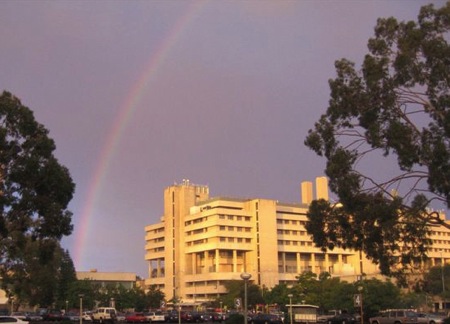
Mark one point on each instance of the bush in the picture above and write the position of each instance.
(236, 319)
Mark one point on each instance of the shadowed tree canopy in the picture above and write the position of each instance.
(394, 112)
(34, 189)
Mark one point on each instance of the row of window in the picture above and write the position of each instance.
(440, 241)
(221, 239)
(222, 228)
(291, 232)
(221, 216)
(295, 243)
(291, 221)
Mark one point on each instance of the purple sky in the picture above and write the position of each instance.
(228, 104)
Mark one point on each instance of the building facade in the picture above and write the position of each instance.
(127, 280)
(202, 242)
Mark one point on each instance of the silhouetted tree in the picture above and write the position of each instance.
(396, 108)
(34, 194)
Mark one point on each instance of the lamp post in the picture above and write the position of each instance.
(246, 277)
(360, 289)
(179, 311)
(81, 308)
(290, 308)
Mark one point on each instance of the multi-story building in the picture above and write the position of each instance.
(202, 242)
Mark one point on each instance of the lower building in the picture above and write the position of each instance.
(202, 242)
(128, 280)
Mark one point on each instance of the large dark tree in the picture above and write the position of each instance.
(34, 192)
(394, 112)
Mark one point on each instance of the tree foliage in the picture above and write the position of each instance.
(394, 111)
(34, 193)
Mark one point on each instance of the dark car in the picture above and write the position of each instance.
(262, 318)
(217, 317)
(172, 317)
(53, 315)
(193, 317)
(343, 318)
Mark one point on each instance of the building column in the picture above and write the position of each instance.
(299, 265)
(194, 263)
(313, 262)
(327, 263)
(217, 260)
(234, 261)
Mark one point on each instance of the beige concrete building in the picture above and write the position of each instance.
(202, 242)
(128, 280)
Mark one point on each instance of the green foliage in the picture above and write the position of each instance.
(436, 281)
(154, 296)
(235, 290)
(395, 110)
(35, 191)
(235, 319)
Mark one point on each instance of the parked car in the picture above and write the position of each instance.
(87, 316)
(71, 316)
(172, 317)
(323, 318)
(262, 318)
(13, 320)
(217, 317)
(135, 318)
(395, 316)
(343, 318)
(155, 317)
(206, 317)
(120, 317)
(52, 315)
(426, 318)
(19, 315)
(104, 314)
(33, 317)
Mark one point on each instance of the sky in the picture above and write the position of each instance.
(139, 95)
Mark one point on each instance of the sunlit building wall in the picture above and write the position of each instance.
(202, 242)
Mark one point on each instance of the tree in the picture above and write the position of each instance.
(435, 281)
(34, 193)
(154, 297)
(396, 109)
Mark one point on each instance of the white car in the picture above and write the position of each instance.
(19, 315)
(10, 319)
(87, 316)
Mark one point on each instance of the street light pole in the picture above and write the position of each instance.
(246, 277)
(81, 308)
(290, 308)
(360, 289)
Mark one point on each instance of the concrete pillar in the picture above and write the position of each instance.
(217, 260)
(322, 188)
(307, 192)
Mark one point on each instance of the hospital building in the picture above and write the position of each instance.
(201, 242)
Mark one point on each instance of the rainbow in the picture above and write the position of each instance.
(121, 122)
